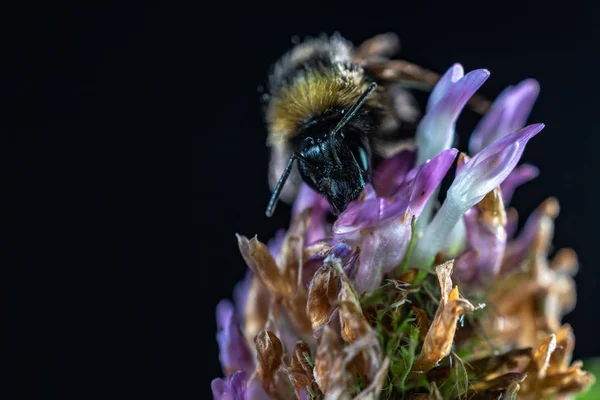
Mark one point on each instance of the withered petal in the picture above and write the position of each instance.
(269, 353)
(296, 309)
(500, 383)
(376, 386)
(421, 320)
(301, 372)
(440, 336)
(561, 356)
(541, 357)
(328, 360)
(490, 365)
(291, 254)
(260, 260)
(353, 322)
(364, 355)
(256, 310)
(565, 261)
(492, 209)
(443, 272)
(322, 293)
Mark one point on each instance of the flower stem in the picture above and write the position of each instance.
(436, 233)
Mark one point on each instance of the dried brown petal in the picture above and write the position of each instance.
(283, 283)
(296, 311)
(565, 344)
(492, 210)
(549, 210)
(422, 321)
(316, 249)
(322, 293)
(301, 372)
(565, 261)
(269, 353)
(493, 364)
(408, 276)
(256, 310)
(500, 383)
(290, 256)
(374, 389)
(440, 336)
(353, 322)
(508, 393)
(434, 392)
(444, 273)
(364, 356)
(330, 372)
(259, 259)
(541, 357)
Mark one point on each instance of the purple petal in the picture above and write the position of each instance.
(382, 250)
(233, 350)
(237, 382)
(220, 389)
(360, 214)
(369, 273)
(274, 244)
(518, 249)
(486, 246)
(232, 388)
(508, 114)
(318, 226)
(452, 75)
(490, 167)
(520, 175)
(350, 265)
(428, 178)
(391, 173)
(341, 250)
(436, 130)
(465, 266)
(240, 291)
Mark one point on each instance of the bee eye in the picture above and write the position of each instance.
(363, 159)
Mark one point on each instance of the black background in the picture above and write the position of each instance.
(112, 276)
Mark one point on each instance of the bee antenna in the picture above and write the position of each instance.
(348, 116)
(279, 187)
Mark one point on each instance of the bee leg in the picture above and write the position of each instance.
(384, 45)
(412, 76)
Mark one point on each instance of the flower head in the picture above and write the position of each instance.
(368, 306)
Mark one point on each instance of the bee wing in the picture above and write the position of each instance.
(412, 76)
(280, 155)
(379, 46)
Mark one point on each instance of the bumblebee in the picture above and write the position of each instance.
(334, 110)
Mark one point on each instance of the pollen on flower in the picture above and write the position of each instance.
(367, 305)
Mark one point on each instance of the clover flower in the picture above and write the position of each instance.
(368, 306)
